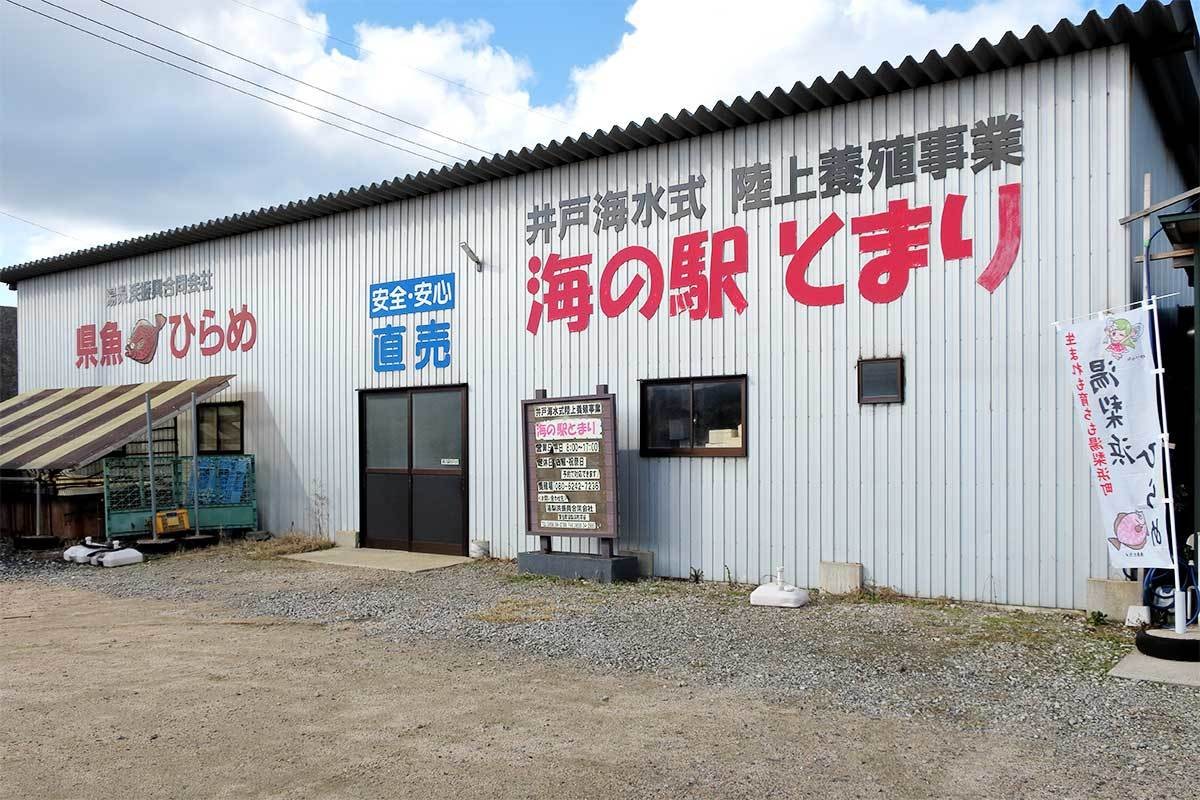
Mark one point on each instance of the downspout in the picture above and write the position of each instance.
(1195, 406)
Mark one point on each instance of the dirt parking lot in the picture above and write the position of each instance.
(219, 676)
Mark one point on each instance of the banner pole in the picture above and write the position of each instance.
(1176, 548)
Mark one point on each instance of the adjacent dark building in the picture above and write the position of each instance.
(8, 352)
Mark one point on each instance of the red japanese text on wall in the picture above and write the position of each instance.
(105, 344)
(701, 275)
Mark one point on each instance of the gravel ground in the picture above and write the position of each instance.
(974, 668)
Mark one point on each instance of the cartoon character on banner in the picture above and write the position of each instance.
(1121, 337)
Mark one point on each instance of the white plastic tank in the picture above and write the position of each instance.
(118, 558)
(779, 594)
(82, 553)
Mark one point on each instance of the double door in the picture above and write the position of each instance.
(413, 460)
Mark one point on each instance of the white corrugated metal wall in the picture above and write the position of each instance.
(974, 488)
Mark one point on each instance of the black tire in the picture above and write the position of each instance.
(1167, 648)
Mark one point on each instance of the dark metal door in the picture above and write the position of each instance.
(413, 455)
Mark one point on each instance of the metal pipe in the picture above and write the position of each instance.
(37, 525)
(195, 467)
(1176, 542)
(150, 464)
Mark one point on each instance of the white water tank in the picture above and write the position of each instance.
(779, 594)
(118, 558)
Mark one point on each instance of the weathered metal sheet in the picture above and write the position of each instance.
(67, 428)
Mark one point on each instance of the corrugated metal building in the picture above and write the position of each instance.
(972, 485)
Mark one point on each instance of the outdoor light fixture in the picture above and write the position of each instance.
(466, 248)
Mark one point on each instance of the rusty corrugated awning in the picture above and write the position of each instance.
(72, 427)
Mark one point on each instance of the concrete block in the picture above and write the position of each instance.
(645, 560)
(1113, 597)
(574, 566)
(839, 577)
(345, 539)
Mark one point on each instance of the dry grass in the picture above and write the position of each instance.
(286, 545)
(514, 611)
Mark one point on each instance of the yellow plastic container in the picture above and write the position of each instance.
(171, 521)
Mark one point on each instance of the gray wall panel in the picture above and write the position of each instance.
(974, 488)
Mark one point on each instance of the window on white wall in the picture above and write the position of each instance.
(220, 428)
(694, 417)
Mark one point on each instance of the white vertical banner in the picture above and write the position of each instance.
(1114, 387)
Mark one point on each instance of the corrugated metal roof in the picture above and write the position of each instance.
(1159, 35)
(69, 428)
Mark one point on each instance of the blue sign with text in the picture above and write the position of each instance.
(412, 295)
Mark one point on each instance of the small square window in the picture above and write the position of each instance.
(881, 380)
(694, 417)
(220, 428)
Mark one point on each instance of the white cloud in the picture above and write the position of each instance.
(103, 144)
(685, 56)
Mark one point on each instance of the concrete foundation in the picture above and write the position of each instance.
(645, 560)
(839, 577)
(1113, 598)
(1140, 667)
(373, 558)
(575, 566)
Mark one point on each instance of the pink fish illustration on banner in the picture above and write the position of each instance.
(143, 339)
(1130, 531)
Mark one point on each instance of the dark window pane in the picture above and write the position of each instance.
(207, 428)
(386, 430)
(718, 413)
(668, 415)
(229, 428)
(880, 380)
(437, 430)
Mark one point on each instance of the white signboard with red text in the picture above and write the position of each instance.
(1113, 380)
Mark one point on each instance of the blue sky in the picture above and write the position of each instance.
(144, 148)
(552, 36)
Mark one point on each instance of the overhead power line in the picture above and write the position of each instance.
(362, 49)
(39, 225)
(226, 85)
(275, 92)
(291, 77)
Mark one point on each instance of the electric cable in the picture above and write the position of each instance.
(362, 49)
(226, 85)
(274, 71)
(235, 76)
(39, 225)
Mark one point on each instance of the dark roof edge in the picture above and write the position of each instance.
(1159, 35)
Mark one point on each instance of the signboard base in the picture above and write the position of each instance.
(575, 566)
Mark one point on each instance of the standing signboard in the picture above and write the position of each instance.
(571, 466)
(1113, 386)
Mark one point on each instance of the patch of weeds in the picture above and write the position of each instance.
(873, 595)
(1097, 618)
(528, 578)
(695, 575)
(285, 545)
(488, 562)
(515, 611)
